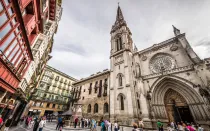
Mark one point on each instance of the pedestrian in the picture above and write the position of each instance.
(61, 125)
(116, 126)
(58, 123)
(109, 126)
(83, 122)
(185, 127)
(8, 123)
(172, 125)
(75, 122)
(93, 124)
(160, 125)
(89, 123)
(31, 123)
(141, 124)
(200, 128)
(103, 128)
(169, 127)
(190, 127)
(41, 124)
(180, 127)
(135, 127)
(51, 117)
(1, 121)
(36, 123)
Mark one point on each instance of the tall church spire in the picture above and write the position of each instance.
(119, 20)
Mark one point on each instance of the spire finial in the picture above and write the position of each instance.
(176, 31)
(118, 3)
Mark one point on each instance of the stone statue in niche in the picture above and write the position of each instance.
(138, 71)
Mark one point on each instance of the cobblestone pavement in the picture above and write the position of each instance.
(49, 127)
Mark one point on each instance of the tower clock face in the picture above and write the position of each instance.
(161, 63)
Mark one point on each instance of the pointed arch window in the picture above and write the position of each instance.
(119, 43)
(120, 80)
(96, 108)
(89, 108)
(106, 108)
(121, 102)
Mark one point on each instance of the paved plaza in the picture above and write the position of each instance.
(50, 126)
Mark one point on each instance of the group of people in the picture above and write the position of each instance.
(34, 122)
(83, 122)
(180, 126)
(105, 125)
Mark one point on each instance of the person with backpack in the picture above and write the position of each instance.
(103, 127)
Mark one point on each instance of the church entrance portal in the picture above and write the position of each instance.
(176, 107)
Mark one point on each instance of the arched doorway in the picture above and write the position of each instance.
(190, 100)
(176, 107)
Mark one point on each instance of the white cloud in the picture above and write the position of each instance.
(82, 43)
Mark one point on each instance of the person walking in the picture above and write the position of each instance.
(93, 123)
(8, 123)
(75, 122)
(1, 121)
(116, 126)
(185, 127)
(83, 122)
(58, 123)
(180, 127)
(160, 125)
(109, 126)
(61, 125)
(190, 127)
(36, 123)
(141, 125)
(41, 124)
(169, 127)
(200, 128)
(103, 128)
(135, 127)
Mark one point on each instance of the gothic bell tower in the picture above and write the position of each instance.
(122, 105)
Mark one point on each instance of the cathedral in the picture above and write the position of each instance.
(166, 82)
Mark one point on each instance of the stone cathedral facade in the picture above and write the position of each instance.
(166, 81)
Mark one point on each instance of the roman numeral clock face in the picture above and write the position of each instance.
(161, 62)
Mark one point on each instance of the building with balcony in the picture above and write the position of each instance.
(93, 94)
(15, 50)
(52, 93)
(27, 28)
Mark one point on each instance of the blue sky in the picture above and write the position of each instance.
(82, 43)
